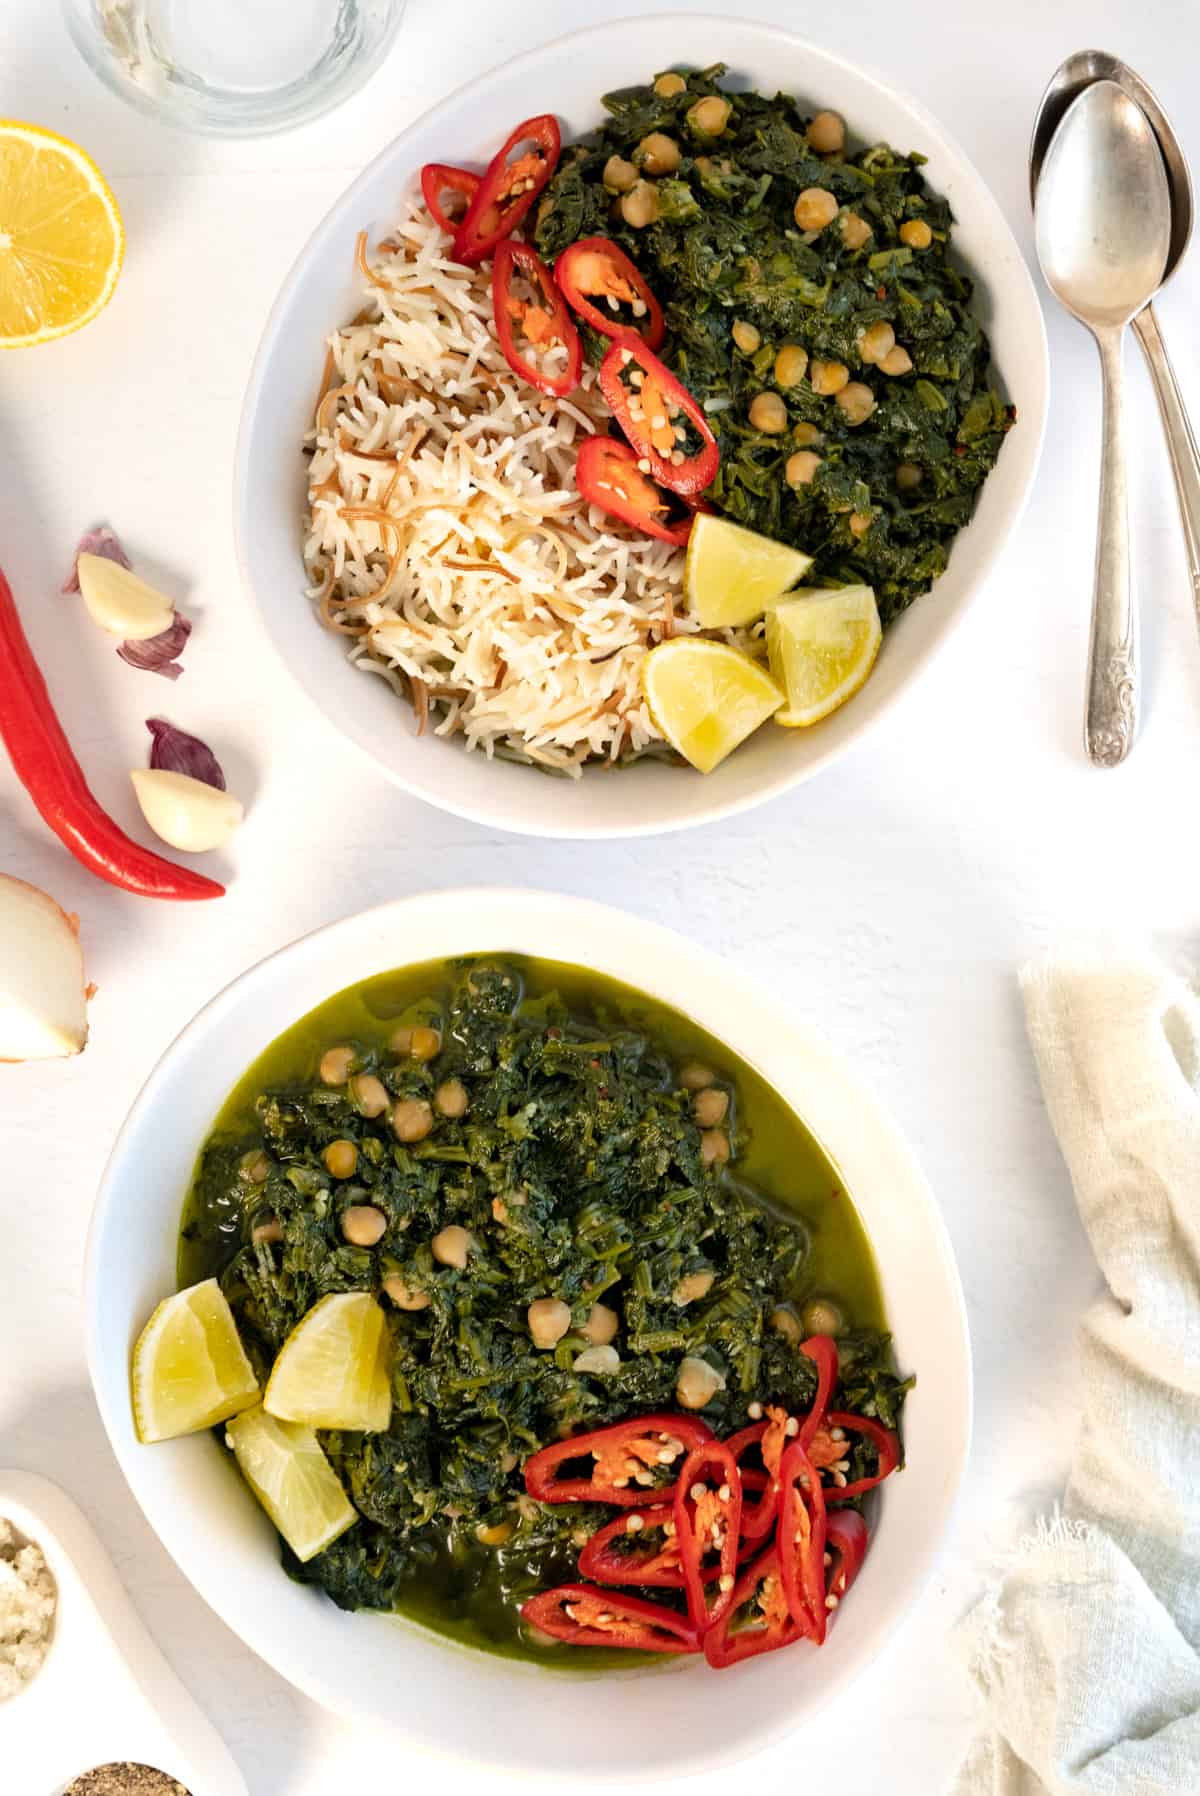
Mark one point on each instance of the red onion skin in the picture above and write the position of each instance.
(172, 750)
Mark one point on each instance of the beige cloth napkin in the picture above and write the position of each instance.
(1087, 1650)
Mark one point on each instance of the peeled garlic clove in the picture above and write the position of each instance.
(185, 812)
(121, 603)
(43, 1002)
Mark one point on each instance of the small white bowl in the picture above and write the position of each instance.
(504, 1714)
(322, 292)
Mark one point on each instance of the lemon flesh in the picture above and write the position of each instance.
(288, 1472)
(822, 645)
(190, 1369)
(732, 574)
(61, 238)
(332, 1371)
(706, 697)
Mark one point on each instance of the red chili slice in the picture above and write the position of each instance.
(771, 1437)
(598, 267)
(607, 474)
(508, 189)
(438, 178)
(658, 401)
(586, 1616)
(637, 1561)
(708, 1514)
(542, 324)
(625, 1457)
(767, 1627)
(822, 1350)
(802, 1541)
(824, 1451)
(846, 1541)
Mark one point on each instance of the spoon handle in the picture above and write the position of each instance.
(1185, 459)
(1112, 661)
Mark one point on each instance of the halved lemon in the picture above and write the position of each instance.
(332, 1370)
(822, 645)
(190, 1370)
(732, 574)
(706, 697)
(285, 1467)
(61, 237)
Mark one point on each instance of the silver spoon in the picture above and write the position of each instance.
(1076, 73)
(1102, 221)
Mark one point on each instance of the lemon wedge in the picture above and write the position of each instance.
(732, 574)
(822, 645)
(190, 1369)
(332, 1371)
(61, 238)
(706, 697)
(288, 1472)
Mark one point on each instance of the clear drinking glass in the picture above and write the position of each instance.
(233, 67)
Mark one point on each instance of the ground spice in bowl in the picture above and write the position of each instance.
(125, 1780)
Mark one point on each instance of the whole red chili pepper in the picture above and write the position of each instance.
(46, 767)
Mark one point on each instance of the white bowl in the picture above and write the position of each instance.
(500, 1713)
(321, 292)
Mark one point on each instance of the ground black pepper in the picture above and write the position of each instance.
(125, 1780)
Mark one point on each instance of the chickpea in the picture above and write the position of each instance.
(341, 1158)
(254, 1166)
(668, 85)
(451, 1098)
(417, 1043)
(791, 365)
(709, 116)
(549, 1318)
(801, 469)
(639, 207)
(496, 1535)
(908, 476)
(619, 175)
(821, 1317)
(404, 1295)
(658, 154)
(600, 1360)
(268, 1231)
(828, 377)
(714, 1147)
(827, 133)
(916, 233)
(693, 1286)
(860, 523)
(368, 1094)
(876, 341)
(896, 361)
(855, 231)
(746, 336)
(807, 435)
(694, 1075)
(785, 1323)
(601, 1325)
(363, 1225)
(697, 1383)
(450, 1246)
(412, 1119)
(768, 413)
(335, 1065)
(815, 208)
(711, 1107)
(856, 401)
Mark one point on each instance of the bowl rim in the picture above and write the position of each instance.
(1034, 413)
(120, 1192)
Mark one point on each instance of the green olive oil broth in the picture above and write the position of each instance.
(468, 1592)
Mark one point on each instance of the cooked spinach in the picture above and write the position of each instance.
(725, 248)
(579, 1172)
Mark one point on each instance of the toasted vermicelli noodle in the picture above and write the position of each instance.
(447, 540)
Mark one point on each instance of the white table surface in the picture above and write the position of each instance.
(893, 899)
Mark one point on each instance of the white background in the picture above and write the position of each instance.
(892, 901)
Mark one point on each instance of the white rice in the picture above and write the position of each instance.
(515, 612)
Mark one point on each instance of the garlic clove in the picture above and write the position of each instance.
(120, 602)
(43, 1002)
(186, 812)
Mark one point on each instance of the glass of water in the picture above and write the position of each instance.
(233, 67)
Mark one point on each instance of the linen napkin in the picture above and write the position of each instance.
(1087, 1649)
